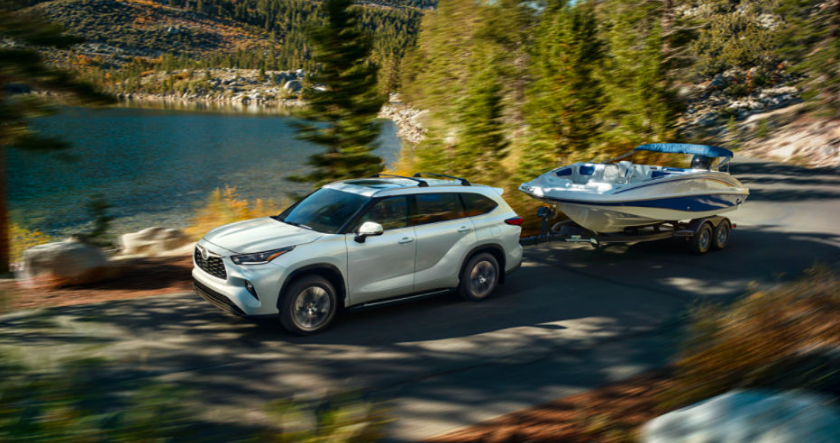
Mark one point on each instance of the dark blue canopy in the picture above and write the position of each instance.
(684, 148)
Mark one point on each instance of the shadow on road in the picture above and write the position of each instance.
(565, 300)
(776, 182)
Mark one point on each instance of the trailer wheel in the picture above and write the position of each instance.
(720, 235)
(702, 240)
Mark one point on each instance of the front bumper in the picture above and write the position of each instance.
(219, 300)
(230, 294)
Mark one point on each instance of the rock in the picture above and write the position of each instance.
(65, 263)
(153, 241)
(706, 120)
(718, 82)
(750, 416)
(293, 86)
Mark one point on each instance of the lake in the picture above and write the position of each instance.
(156, 166)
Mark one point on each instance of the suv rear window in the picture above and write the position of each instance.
(477, 204)
(433, 208)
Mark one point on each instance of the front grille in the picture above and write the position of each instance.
(212, 265)
(219, 300)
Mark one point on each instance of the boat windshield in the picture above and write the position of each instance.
(325, 210)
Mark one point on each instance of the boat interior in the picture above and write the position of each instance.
(621, 173)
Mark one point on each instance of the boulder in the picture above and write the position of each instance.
(718, 82)
(750, 416)
(706, 120)
(153, 241)
(293, 86)
(65, 263)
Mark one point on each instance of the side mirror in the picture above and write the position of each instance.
(368, 229)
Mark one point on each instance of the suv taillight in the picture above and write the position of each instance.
(516, 221)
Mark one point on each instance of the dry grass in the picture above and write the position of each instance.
(610, 414)
(225, 206)
(784, 337)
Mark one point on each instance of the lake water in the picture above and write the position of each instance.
(157, 166)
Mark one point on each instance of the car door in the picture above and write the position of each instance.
(382, 266)
(444, 236)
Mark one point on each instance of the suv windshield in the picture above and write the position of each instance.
(325, 210)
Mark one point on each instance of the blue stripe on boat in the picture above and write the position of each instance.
(692, 203)
(646, 184)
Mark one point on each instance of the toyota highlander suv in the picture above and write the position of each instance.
(361, 243)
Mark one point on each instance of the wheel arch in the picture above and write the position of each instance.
(328, 271)
(495, 249)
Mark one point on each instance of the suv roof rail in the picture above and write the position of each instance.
(464, 182)
(420, 183)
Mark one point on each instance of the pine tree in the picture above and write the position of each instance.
(734, 36)
(811, 36)
(22, 65)
(481, 140)
(641, 106)
(565, 99)
(347, 108)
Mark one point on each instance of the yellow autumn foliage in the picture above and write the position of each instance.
(225, 206)
(22, 239)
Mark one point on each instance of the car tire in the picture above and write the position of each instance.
(702, 240)
(720, 235)
(309, 305)
(479, 277)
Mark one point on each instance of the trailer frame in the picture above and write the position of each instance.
(570, 232)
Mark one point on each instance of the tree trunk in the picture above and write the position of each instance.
(4, 216)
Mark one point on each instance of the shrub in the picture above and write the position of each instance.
(785, 337)
(99, 211)
(64, 401)
(340, 418)
(23, 239)
(225, 206)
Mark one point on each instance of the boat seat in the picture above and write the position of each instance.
(582, 174)
(613, 173)
(627, 170)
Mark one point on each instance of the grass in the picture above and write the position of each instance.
(785, 337)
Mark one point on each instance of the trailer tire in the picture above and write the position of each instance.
(702, 240)
(720, 235)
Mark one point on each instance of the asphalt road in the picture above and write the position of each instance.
(572, 319)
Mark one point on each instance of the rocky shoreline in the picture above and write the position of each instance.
(408, 120)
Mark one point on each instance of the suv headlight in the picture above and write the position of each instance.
(259, 258)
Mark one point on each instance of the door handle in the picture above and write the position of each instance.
(463, 229)
(405, 240)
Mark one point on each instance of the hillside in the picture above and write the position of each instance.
(146, 29)
(127, 38)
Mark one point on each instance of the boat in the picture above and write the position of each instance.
(618, 195)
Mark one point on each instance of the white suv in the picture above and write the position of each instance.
(361, 243)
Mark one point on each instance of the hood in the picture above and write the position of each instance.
(258, 235)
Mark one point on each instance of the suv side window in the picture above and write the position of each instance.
(391, 213)
(477, 204)
(433, 208)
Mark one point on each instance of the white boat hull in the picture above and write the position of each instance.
(604, 219)
(605, 208)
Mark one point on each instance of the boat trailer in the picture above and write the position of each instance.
(701, 234)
